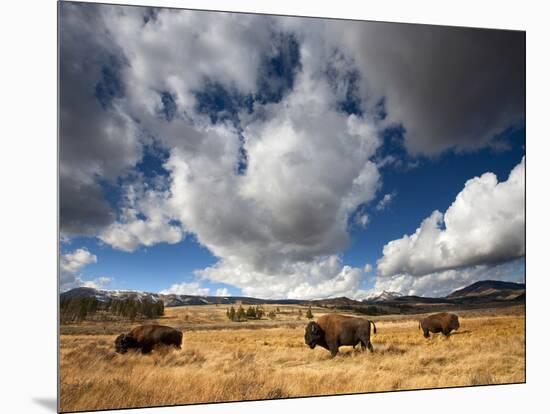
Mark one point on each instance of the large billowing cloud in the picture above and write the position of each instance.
(270, 126)
(290, 208)
(484, 225)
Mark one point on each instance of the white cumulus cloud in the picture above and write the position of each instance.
(222, 292)
(186, 288)
(145, 220)
(318, 278)
(309, 168)
(484, 225)
(97, 283)
(385, 201)
(72, 263)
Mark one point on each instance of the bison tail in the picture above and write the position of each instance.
(373, 326)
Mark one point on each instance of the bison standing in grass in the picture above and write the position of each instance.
(145, 337)
(440, 322)
(332, 331)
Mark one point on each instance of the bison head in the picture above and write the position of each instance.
(174, 338)
(454, 323)
(123, 342)
(314, 334)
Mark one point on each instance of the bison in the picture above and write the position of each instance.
(145, 337)
(333, 331)
(440, 322)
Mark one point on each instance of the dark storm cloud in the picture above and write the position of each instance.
(451, 88)
(96, 140)
(82, 208)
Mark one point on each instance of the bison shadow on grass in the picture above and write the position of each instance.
(333, 331)
(146, 337)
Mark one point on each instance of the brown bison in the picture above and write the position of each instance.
(440, 322)
(332, 331)
(145, 337)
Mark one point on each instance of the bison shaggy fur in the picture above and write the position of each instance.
(146, 337)
(333, 330)
(440, 322)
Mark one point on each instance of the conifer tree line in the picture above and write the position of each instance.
(239, 315)
(79, 309)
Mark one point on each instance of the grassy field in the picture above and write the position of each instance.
(229, 361)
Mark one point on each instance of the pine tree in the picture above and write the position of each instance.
(132, 311)
(83, 311)
(251, 313)
(259, 312)
(94, 305)
(241, 314)
(147, 308)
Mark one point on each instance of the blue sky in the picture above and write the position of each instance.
(253, 159)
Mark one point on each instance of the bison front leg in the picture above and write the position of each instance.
(146, 348)
(426, 333)
(333, 348)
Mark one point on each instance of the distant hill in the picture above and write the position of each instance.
(480, 294)
(333, 302)
(490, 289)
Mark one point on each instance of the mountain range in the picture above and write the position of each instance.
(485, 293)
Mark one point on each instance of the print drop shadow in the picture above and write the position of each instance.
(46, 402)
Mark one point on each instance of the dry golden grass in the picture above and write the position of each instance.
(242, 364)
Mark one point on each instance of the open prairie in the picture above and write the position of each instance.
(265, 359)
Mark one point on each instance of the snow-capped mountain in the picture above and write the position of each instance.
(382, 296)
(168, 300)
(105, 295)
